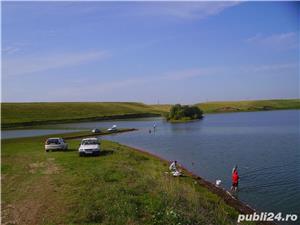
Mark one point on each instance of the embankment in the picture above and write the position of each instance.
(21, 115)
(229, 199)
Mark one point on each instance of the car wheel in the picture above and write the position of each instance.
(47, 150)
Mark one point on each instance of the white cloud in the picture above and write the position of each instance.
(10, 50)
(173, 76)
(271, 67)
(13, 48)
(187, 10)
(168, 76)
(177, 8)
(40, 63)
(133, 82)
(136, 86)
(187, 74)
(280, 41)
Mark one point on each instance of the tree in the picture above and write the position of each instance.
(179, 112)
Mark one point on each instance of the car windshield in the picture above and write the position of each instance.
(53, 141)
(90, 142)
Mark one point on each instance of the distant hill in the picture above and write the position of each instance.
(246, 106)
(28, 114)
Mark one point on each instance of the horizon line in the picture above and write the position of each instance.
(213, 101)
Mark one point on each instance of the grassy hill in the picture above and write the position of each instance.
(27, 114)
(245, 106)
(121, 186)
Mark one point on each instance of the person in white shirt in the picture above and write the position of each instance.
(173, 166)
(174, 170)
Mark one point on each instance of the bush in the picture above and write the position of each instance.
(179, 112)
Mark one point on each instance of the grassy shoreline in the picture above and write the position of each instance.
(20, 115)
(81, 134)
(250, 105)
(122, 186)
(238, 205)
(88, 119)
(184, 120)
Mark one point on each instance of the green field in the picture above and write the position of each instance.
(30, 114)
(122, 186)
(27, 114)
(246, 106)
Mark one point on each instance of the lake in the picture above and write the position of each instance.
(264, 145)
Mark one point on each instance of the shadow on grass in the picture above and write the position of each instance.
(102, 153)
(106, 152)
(65, 150)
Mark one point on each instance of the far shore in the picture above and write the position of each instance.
(23, 115)
(23, 125)
(183, 120)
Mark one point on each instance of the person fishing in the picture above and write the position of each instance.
(173, 166)
(174, 170)
(235, 179)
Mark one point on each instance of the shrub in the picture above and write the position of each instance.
(179, 112)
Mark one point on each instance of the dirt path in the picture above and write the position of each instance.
(41, 201)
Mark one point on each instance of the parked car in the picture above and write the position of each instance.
(89, 146)
(95, 131)
(55, 144)
(113, 128)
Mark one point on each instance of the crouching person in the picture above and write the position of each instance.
(174, 170)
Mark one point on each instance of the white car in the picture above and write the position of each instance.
(89, 146)
(113, 128)
(55, 144)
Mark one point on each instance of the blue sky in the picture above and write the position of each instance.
(171, 52)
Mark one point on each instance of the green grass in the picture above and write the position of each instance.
(246, 106)
(30, 114)
(122, 186)
(26, 114)
(182, 120)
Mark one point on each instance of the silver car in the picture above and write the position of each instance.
(55, 144)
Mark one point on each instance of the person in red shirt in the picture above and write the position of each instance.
(235, 179)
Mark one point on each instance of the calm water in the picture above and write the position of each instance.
(31, 132)
(265, 145)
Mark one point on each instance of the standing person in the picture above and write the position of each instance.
(233, 169)
(154, 126)
(235, 179)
